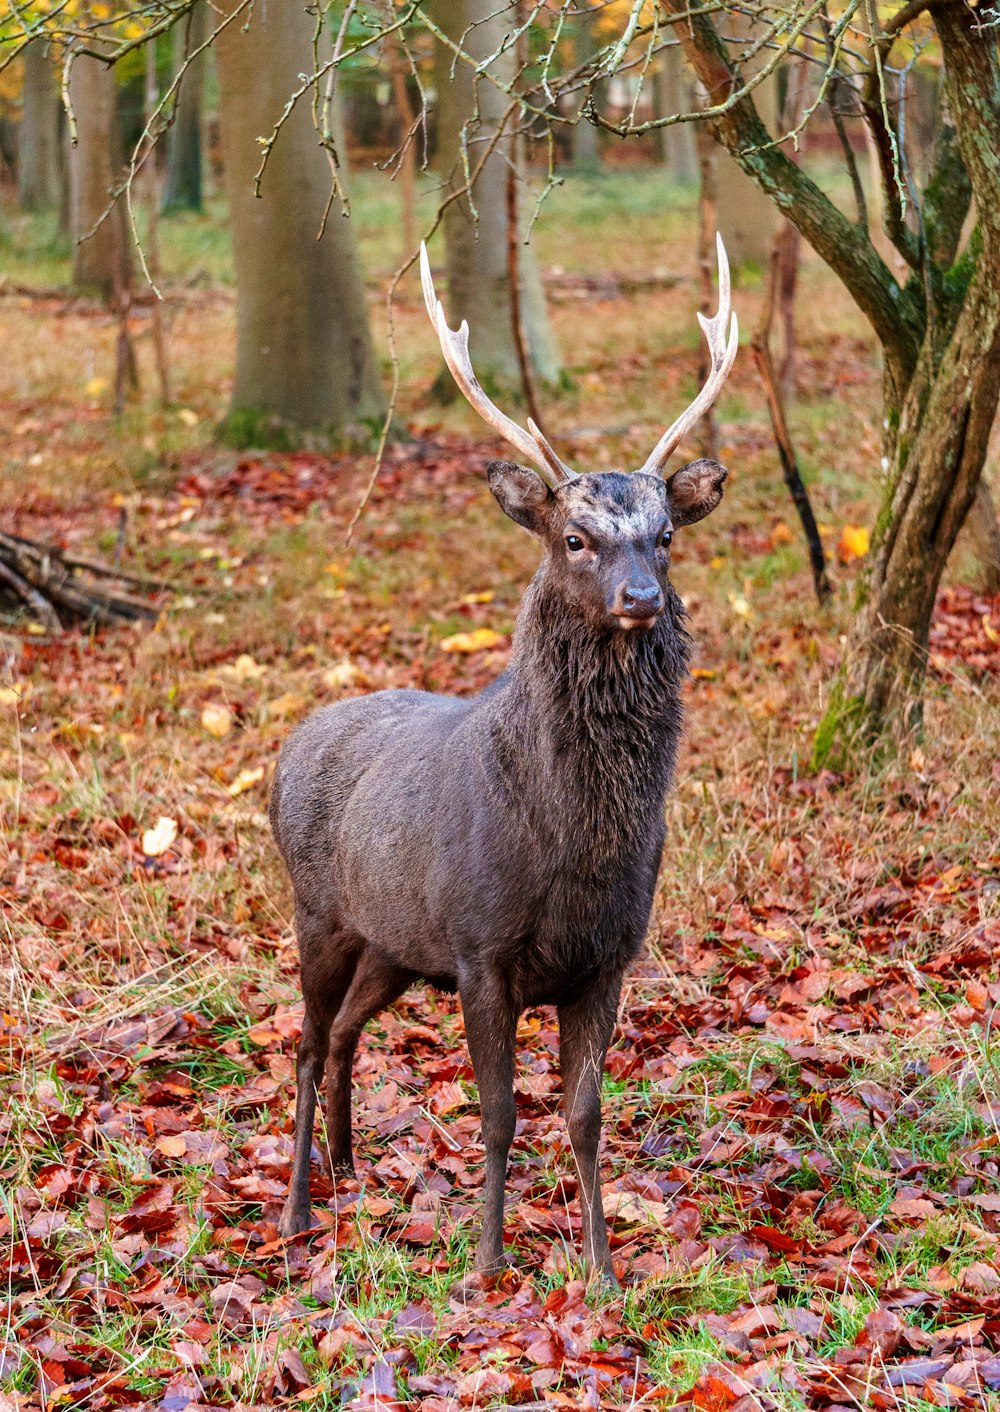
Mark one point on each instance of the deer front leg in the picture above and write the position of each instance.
(585, 1029)
(490, 1022)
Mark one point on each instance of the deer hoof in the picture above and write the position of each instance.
(294, 1220)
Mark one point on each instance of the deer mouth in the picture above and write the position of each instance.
(629, 623)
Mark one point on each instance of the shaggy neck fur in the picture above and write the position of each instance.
(596, 714)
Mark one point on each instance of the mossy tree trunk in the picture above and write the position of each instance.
(940, 335)
(183, 188)
(470, 115)
(305, 370)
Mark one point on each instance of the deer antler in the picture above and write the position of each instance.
(723, 355)
(455, 347)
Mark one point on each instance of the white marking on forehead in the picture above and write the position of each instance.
(640, 515)
(617, 523)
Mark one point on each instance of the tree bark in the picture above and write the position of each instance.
(38, 159)
(476, 249)
(747, 218)
(675, 144)
(305, 369)
(183, 189)
(101, 254)
(586, 138)
(983, 530)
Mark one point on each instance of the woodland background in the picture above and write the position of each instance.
(222, 508)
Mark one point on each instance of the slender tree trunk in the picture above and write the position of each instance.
(407, 170)
(183, 190)
(708, 224)
(101, 255)
(38, 159)
(982, 530)
(586, 137)
(304, 361)
(747, 218)
(478, 274)
(671, 94)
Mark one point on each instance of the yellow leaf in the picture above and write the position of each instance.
(717, 561)
(243, 669)
(95, 387)
(781, 534)
(11, 695)
(172, 1145)
(485, 597)
(285, 705)
(189, 418)
(160, 837)
(246, 779)
(476, 641)
(991, 633)
(704, 673)
(342, 675)
(740, 606)
(217, 719)
(853, 543)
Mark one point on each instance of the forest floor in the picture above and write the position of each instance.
(802, 1150)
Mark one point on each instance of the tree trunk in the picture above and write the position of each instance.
(38, 159)
(184, 138)
(586, 137)
(476, 249)
(983, 531)
(671, 94)
(304, 362)
(747, 217)
(101, 254)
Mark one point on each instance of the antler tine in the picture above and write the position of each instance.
(723, 356)
(531, 444)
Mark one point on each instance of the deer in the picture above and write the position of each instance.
(505, 845)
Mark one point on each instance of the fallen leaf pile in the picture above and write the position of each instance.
(801, 1164)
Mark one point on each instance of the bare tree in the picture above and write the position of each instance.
(38, 168)
(100, 250)
(304, 360)
(939, 329)
(183, 189)
(476, 130)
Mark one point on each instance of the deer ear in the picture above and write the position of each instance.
(521, 494)
(694, 491)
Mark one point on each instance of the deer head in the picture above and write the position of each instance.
(607, 534)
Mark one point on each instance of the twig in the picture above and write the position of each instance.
(760, 346)
(707, 225)
(514, 281)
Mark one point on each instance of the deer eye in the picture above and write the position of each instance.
(574, 543)
(666, 539)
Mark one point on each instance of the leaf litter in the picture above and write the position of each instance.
(802, 1156)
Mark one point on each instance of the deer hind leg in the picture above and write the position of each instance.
(490, 1020)
(585, 1029)
(375, 985)
(328, 959)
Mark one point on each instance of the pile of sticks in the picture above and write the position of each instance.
(58, 588)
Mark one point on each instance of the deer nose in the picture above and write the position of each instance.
(641, 600)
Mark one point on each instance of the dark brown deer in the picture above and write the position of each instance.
(506, 845)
